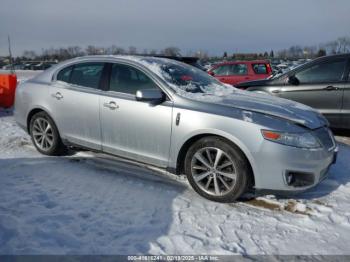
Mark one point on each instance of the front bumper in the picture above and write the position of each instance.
(288, 169)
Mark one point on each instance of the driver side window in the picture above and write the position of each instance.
(325, 72)
(126, 79)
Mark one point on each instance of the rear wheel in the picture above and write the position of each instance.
(45, 136)
(217, 170)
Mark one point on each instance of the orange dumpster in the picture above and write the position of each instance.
(8, 83)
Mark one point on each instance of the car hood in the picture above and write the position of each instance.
(267, 104)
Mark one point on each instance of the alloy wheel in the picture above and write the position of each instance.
(213, 171)
(43, 134)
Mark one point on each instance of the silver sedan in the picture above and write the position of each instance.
(174, 116)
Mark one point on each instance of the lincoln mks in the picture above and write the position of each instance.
(174, 116)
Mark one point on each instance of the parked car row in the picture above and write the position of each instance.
(174, 116)
(323, 84)
(31, 65)
(280, 66)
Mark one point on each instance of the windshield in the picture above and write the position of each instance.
(183, 77)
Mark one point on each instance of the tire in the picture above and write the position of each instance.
(231, 162)
(50, 144)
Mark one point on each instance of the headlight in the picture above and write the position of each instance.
(302, 140)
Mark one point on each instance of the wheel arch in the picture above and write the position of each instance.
(34, 111)
(180, 159)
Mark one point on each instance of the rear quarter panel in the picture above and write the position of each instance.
(30, 95)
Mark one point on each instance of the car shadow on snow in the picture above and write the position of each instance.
(81, 205)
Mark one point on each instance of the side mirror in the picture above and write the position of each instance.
(211, 73)
(150, 95)
(293, 80)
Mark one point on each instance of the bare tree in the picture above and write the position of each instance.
(74, 51)
(332, 47)
(282, 53)
(115, 50)
(171, 51)
(343, 44)
(132, 50)
(93, 50)
(29, 54)
(119, 51)
(202, 55)
(153, 52)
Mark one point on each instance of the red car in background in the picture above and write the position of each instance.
(241, 71)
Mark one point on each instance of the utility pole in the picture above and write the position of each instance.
(10, 53)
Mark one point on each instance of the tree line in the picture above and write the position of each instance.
(340, 45)
(63, 53)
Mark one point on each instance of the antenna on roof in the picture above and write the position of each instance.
(10, 53)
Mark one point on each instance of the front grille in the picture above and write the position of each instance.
(325, 137)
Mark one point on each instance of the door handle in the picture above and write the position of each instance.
(330, 88)
(58, 96)
(111, 105)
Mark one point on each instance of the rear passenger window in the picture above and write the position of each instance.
(64, 74)
(239, 69)
(260, 68)
(87, 74)
(126, 79)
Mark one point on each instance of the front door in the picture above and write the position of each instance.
(133, 129)
(321, 87)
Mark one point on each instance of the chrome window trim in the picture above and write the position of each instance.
(148, 73)
(112, 60)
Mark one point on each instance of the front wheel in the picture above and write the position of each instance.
(217, 169)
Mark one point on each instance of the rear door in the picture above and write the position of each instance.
(75, 103)
(321, 87)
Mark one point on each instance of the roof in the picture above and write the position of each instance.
(244, 61)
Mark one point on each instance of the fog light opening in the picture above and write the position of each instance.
(299, 179)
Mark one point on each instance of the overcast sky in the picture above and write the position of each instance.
(191, 25)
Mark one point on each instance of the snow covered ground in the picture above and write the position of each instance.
(88, 204)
